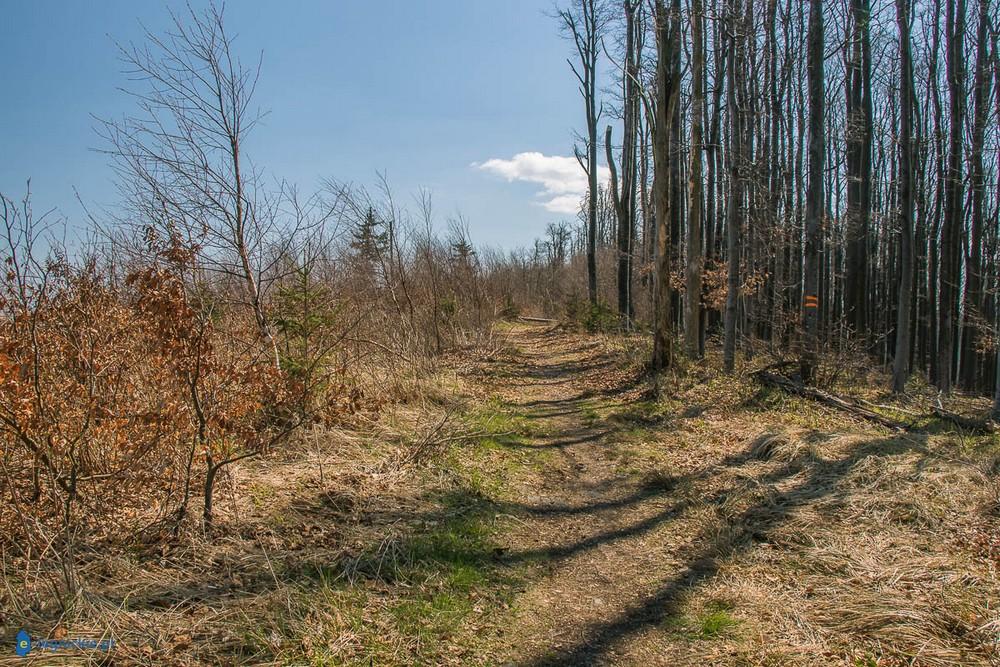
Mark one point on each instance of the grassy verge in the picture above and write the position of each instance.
(427, 598)
(432, 591)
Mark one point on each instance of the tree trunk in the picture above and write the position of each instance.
(859, 149)
(583, 25)
(592, 184)
(712, 217)
(814, 193)
(734, 202)
(667, 94)
(951, 246)
(625, 205)
(692, 322)
(901, 362)
(974, 281)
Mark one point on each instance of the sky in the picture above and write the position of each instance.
(471, 99)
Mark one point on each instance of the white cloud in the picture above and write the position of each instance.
(562, 178)
(568, 204)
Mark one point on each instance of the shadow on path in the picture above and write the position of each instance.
(735, 536)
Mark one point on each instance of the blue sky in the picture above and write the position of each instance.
(440, 94)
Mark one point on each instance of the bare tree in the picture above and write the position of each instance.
(951, 231)
(584, 22)
(859, 169)
(737, 177)
(624, 199)
(180, 158)
(668, 84)
(974, 301)
(692, 321)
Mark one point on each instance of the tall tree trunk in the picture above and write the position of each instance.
(933, 243)
(621, 214)
(592, 180)
(951, 247)
(773, 195)
(713, 218)
(734, 202)
(901, 362)
(692, 322)
(859, 150)
(625, 201)
(583, 24)
(974, 281)
(676, 179)
(667, 95)
(814, 193)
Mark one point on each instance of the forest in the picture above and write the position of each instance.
(740, 409)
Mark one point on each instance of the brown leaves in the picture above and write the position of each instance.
(107, 385)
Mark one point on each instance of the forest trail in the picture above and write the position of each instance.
(604, 535)
(727, 525)
(568, 519)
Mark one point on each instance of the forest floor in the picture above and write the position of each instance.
(546, 511)
(733, 525)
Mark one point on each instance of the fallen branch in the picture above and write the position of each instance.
(791, 386)
(971, 424)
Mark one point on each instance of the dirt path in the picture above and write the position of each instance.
(734, 527)
(601, 535)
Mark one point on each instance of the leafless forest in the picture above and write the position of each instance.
(740, 410)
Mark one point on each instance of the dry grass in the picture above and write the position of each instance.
(785, 532)
(835, 542)
(842, 543)
(351, 544)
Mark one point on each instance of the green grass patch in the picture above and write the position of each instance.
(501, 422)
(714, 622)
(502, 449)
(429, 592)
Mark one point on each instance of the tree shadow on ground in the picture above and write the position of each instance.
(720, 541)
(451, 531)
(459, 540)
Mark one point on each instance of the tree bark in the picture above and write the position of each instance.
(901, 362)
(814, 193)
(859, 152)
(692, 321)
(625, 200)
(951, 246)
(974, 304)
(583, 25)
(667, 94)
(734, 201)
